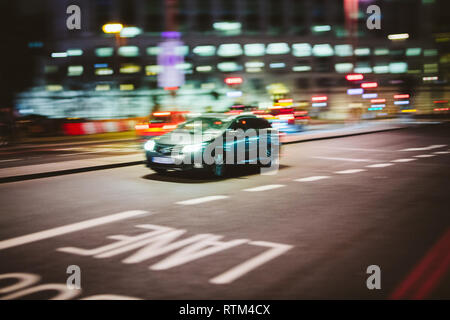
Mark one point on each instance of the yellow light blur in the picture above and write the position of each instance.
(409, 110)
(112, 27)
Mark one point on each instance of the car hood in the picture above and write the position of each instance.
(178, 137)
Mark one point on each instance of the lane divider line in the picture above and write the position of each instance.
(434, 146)
(441, 152)
(425, 156)
(403, 160)
(380, 165)
(54, 232)
(350, 171)
(265, 188)
(313, 178)
(201, 200)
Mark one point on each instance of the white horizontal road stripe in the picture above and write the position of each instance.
(379, 165)
(10, 160)
(201, 200)
(434, 146)
(425, 156)
(50, 233)
(344, 159)
(264, 188)
(403, 160)
(314, 178)
(350, 171)
(442, 152)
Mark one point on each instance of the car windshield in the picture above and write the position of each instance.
(205, 124)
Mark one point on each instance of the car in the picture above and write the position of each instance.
(160, 123)
(284, 119)
(214, 142)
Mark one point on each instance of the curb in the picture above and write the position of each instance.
(67, 171)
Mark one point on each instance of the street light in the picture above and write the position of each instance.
(112, 28)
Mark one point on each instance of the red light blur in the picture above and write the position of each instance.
(369, 85)
(233, 80)
(319, 98)
(378, 100)
(401, 96)
(354, 77)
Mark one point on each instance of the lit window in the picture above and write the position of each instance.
(430, 52)
(362, 51)
(128, 51)
(104, 52)
(153, 51)
(277, 65)
(230, 50)
(205, 51)
(398, 67)
(412, 52)
(228, 66)
(254, 49)
(301, 49)
(130, 68)
(430, 68)
(74, 52)
(344, 50)
(182, 50)
(126, 87)
(54, 87)
(203, 69)
(103, 87)
(59, 54)
(153, 70)
(381, 68)
(381, 52)
(301, 68)
(278, 48)
(323, 28)
(363, 67)
(104, 71)
(50, 69)
(73, 71)
(323, 50)
(254, 64)
(343, 67)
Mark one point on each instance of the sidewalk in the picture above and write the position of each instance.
(75, 166)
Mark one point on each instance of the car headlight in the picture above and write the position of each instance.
(149, 145)
(192, 148)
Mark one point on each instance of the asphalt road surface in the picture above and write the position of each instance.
(334, 208)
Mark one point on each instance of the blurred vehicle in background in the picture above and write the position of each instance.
(238, 109)
(286, 119)
(178, 151)
(160, 123)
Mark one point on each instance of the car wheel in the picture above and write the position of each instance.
(219, 167)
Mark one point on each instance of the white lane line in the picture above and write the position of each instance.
(264, 188)
(441, 152)
(10, 160)
(50, 233)
(403, 160)
(310, 179)
(425, 156)
(350, 171)
(434, 146)
(201, 200)
(344, 159)
(276, 249)
(380, 165)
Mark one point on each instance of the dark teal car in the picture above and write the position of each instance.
(215, 142)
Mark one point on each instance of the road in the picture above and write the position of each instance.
(335, 207)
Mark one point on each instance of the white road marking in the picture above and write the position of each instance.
(276, 250)
(442, 152)
(350, 171)
(403, 160)
(314, 178)
(380, 165)
(434, 146)
(10, 160)
(201, 200)
(344, 159)
(264, 188)
(50, 233)
(425, 156)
